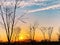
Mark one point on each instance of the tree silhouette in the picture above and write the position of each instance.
(43, 30)
(8, 15)
(58, 34)
(32, 30)
(16, 32)
(50, 30)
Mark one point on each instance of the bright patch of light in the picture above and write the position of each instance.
(21, 37)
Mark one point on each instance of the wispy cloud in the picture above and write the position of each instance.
(30, 2)
(47, 8)
(39, 0)
(23, 3)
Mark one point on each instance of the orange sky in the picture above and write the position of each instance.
(25, 35)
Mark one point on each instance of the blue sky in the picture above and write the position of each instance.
(44, 16)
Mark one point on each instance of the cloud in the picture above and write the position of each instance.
(40, 0)
(31, 2)
(47, 8)
(21, 4)
(24, 3)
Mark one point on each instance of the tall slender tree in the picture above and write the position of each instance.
(58, 34)
(32, 30)
(43, 30)
(16, 32)
(8, 15)
(50, 30)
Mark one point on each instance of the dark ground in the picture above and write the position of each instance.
(31, 43)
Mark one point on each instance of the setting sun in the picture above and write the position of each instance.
(22, 38)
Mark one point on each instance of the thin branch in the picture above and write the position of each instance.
(3, 20)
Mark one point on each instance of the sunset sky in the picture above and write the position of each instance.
(45, 12)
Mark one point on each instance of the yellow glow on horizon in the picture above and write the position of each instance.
(24, 35)
(22, 38)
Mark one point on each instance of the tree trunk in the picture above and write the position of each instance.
(49, 37)
(44, 35)
(8, 41)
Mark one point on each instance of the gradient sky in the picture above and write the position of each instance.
(45, 12)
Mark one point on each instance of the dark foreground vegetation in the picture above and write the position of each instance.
(31, 43)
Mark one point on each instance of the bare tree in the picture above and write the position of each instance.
(43, 30)
(50, 30)
(16, 33)
(32, 30)
(58, 34)
(8, 15)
